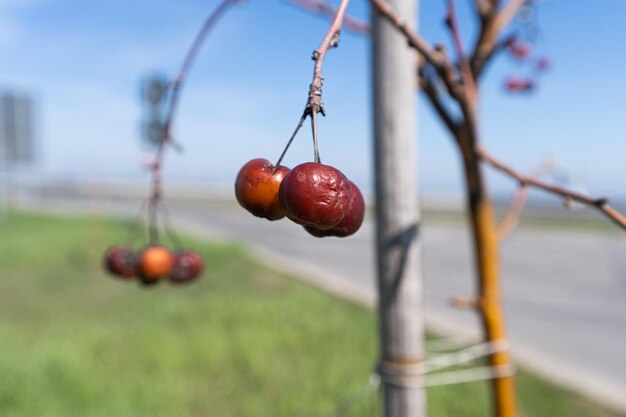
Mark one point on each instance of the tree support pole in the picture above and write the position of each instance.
(489, 302)
(397, 217)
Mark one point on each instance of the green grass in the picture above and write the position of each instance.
(243, 341)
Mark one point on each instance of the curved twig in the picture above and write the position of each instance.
(176, 86)
(518, 202)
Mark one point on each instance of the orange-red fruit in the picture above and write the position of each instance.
(187, 267)
(315, 195)
(154, 262)
(352, 220)
(256, 188)
(121, 261)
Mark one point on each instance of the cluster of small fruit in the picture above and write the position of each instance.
(522, 52)
(153, 264)
(316, 196)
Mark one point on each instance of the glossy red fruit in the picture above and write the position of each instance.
(121, 261)
(256, 188)
(154, 262)
(352, 220)
(315, 195)
(186, 267)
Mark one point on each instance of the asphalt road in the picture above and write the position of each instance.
(564, 291)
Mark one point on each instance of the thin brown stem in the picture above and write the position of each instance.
(178, 81)
(492, 25)
(518, 202)
(482, 7)
(316, 152)
(601, 204)
(176, 86)
(414, 39)
(293, 135)
(326, 9)
(435, 100)
(315, 104)
(433, 56)
(331, 39)
(516, 207)
(466, 71)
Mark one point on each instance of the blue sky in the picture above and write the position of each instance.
(83, 61)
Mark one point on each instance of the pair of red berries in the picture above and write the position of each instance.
(153, 264)
(316, 196)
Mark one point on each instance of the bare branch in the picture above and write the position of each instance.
(325, 9)
(516, 207)
(414, 39)
(315, 104)
(177, 82)
(436, 57)
(466, 71)
(478, 65)
(176, 85)
(492, 26)
(483, 7)
(434, 98)
(601, 204)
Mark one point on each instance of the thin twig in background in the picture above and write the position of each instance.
(326, 9)
(176, 86)
(466, 71)
(518, 202)
(601, 204)
(414, 39)
(492, 25)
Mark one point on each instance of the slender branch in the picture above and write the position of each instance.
(482, 7)
(518, 202)
(468, 101)
(293, 135)
(331, 39)
(176, 86)
(178, 81)
(434, 56)
(466, 71)
(324, 8)
(492, 25)
(478, 65)
(516, 207)
(601, 204)
(314, 103)
(414, 39)
(316, 151)
(435, 100)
